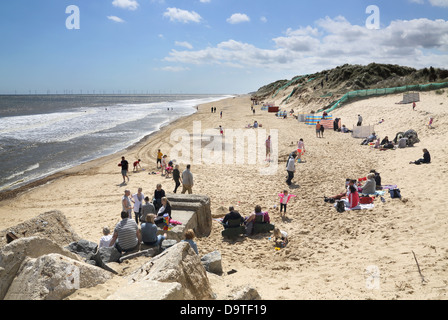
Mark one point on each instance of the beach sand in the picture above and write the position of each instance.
(331, 255)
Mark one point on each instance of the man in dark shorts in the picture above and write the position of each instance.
(124, 164)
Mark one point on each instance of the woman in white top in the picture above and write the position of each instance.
(138, 199)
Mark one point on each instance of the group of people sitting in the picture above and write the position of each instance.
(355, 188)
(248, 222)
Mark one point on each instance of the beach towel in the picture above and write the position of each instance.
(358, 207)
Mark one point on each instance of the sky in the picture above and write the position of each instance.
(207, 46)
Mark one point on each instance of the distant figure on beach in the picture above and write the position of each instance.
(268, 148)
(322, 129)
(221, 131)
(149, 232)
(413, 106)
(285, 197)
(344, 129)
(359, 124)
(124, 164)
(291, 168)
(126, 203)
(221, 114)
(318, 132)
(425, 160)
(127, 235)
(138, 198)
(159, 193)
(176, 177)
(431, 121)
(353, 197)
(189, 237)
(164, 164)
(300, 150)
(187, 180)
(147, 208)
(105, 239)
(137, 165)
(214, 109)
(343, 195)
(159, 158)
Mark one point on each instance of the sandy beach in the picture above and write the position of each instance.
(330, 254)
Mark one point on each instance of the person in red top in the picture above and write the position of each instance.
(353, 197)
(137, 165)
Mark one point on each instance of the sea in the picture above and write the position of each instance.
(43, 134)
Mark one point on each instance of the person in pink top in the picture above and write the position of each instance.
(284, 199)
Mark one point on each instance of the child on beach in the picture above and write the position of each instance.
(280, 238)
(159, 158)
(189, 236)
(284, 199)
(300, 150)
(164, 164)
(105, 239)
(137, 165)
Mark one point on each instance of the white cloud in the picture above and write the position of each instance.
(238, 18)
(439, 3)
(332, 42)
(183, 44)
(205, 1)
(115, 19)
(184, 16)
(264, 19)
(174, 69)
(126, 4)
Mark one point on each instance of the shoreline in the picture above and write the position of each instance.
(91, 164)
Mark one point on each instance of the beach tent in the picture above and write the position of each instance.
(362, 132)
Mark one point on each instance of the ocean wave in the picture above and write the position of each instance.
(30, 168)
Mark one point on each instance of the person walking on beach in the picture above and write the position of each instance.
(159, 158)
(318, 132)
(291, 167)
(187, 180)
(268, 149)
(176, 177)
(322, 129)
(124, 164)
(221, 114)
(359, 124)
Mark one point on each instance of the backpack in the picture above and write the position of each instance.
(340, 206)
(395, 193)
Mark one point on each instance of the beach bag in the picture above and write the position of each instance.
(365, 200)
(340, 206)
(395, 193)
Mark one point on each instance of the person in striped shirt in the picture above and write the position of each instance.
(127, 236)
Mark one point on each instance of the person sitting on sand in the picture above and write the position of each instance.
(425, 160)
(342, 195)
(232, 215)
(370, 186)
(105, 239)
(189, 236)
(252, 217)
(165, 209)
(385, 141)
(127, 236)
(147, 208)
(280, 238)
(149, 232)
(353, 198)
(344, 129)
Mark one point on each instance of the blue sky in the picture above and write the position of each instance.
(207, 46)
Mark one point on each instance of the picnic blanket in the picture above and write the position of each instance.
(358, 207)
